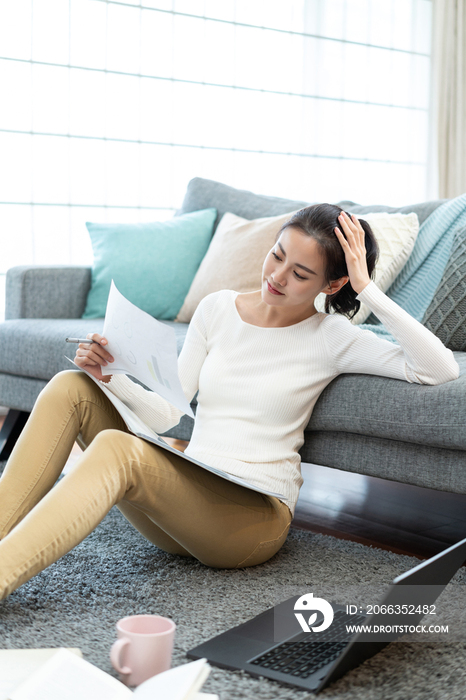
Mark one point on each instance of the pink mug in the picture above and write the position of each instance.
(143, 648)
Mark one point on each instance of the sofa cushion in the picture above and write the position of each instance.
(234, 259)
(379, 407)
(152, 264)
(409, 463)
(446, 315)
(20, 393)
(37, 348)
(202, 193)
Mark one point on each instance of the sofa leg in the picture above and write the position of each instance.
(11, 430)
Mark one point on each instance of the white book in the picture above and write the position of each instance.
(18, 664)
(62, 674)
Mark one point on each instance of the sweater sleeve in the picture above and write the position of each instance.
(419, 358)
(154, 410)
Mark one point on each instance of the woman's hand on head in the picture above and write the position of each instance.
(355, 251)
(93, 356)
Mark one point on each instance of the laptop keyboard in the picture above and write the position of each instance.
(305, 656)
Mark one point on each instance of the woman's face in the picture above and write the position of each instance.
(294, 268)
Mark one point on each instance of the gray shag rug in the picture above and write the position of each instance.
(115, 572)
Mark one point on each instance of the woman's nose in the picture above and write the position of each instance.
(279, 279)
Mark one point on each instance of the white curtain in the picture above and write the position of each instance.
(449, 96)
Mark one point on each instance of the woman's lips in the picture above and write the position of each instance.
(272, 290)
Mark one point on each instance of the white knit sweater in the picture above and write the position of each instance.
(258, 386)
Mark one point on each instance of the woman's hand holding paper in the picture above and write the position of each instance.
(92, 357)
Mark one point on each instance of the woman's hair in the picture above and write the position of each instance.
(319, 222)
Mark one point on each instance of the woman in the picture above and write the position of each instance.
(259, 360)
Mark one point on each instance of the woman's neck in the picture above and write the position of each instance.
(252, 309)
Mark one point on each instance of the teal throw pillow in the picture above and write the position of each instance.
(152, 264)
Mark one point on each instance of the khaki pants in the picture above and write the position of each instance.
(181, 508)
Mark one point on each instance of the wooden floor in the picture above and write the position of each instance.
(397, 517)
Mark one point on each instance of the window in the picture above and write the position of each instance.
(113, 107)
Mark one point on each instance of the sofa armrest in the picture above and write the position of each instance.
(46, 291)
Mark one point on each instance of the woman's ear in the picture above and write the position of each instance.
(335, 285)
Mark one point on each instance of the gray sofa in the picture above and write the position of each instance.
(371, 425)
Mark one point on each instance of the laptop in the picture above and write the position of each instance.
(282, 645)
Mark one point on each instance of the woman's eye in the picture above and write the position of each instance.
(300, 277)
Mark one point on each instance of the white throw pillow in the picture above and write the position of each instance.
(396, 235)
(234, 258)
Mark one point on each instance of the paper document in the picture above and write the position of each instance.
(144, 348)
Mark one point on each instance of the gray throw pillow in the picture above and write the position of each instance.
(446, 315)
